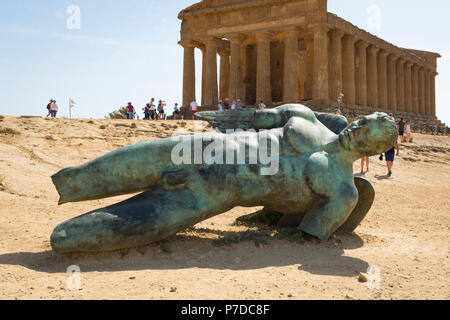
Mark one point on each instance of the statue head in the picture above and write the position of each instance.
(370, 135)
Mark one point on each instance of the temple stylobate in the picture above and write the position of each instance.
(283, 51)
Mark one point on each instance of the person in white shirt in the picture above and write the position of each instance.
(54, 109)
(262, 105)
(233, 106)
(152, 109)
(408, 131)
(194, 106)
(220, 105)
(176, 111)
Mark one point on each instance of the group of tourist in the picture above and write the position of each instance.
(52, 109)
(228, 105)
(152, 111)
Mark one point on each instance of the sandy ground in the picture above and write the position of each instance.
(406, 234)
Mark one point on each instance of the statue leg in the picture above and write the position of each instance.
(149, 217)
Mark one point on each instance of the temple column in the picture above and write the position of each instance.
(408, 87)
(302, 72)
(392, 82)
(236, 68)
(203, 49)
(361, 73)
(263, 84)
(415, 89)
(427, 93)
(433, 93)
(348, 69)
(372, 76)
(422, 91)
(401, 84)
(309, 68)
(335, 64)
(224, 87)
(211, 87)
(291, 56)
(320, 69)
(382, 80)
(188, 72)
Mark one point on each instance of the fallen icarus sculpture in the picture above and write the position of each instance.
(291, 161)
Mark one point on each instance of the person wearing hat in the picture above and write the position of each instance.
(226, 104)
(239, 104)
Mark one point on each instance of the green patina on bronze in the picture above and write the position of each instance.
(314, 186)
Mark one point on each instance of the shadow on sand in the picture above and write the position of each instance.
(185, 251)
(380, 178)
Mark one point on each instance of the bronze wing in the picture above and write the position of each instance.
(244, 119)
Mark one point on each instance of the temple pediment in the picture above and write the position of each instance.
(206, 6)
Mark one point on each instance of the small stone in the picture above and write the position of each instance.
(132, 278)
(50, 288)
(363, 278)
(173, 289)
(349, 297)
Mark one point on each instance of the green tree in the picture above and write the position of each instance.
(115, 114)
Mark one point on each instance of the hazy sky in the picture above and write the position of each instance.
(127, 50)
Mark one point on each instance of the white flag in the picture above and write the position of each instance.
(72, 103)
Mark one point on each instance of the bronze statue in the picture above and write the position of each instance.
(312, 185)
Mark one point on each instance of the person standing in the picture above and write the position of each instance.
(194, 107)
(401, 130)
(160, 110)
(390, 157)
(54, 109)
(233, 105)
(147, 111)
(226, 104)
(176, 111)
(220, 106)
(261, 105)
(152, 109)
(365, 160)
(239, 104)
(49, 108)
(130, 111)
(408, 131)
